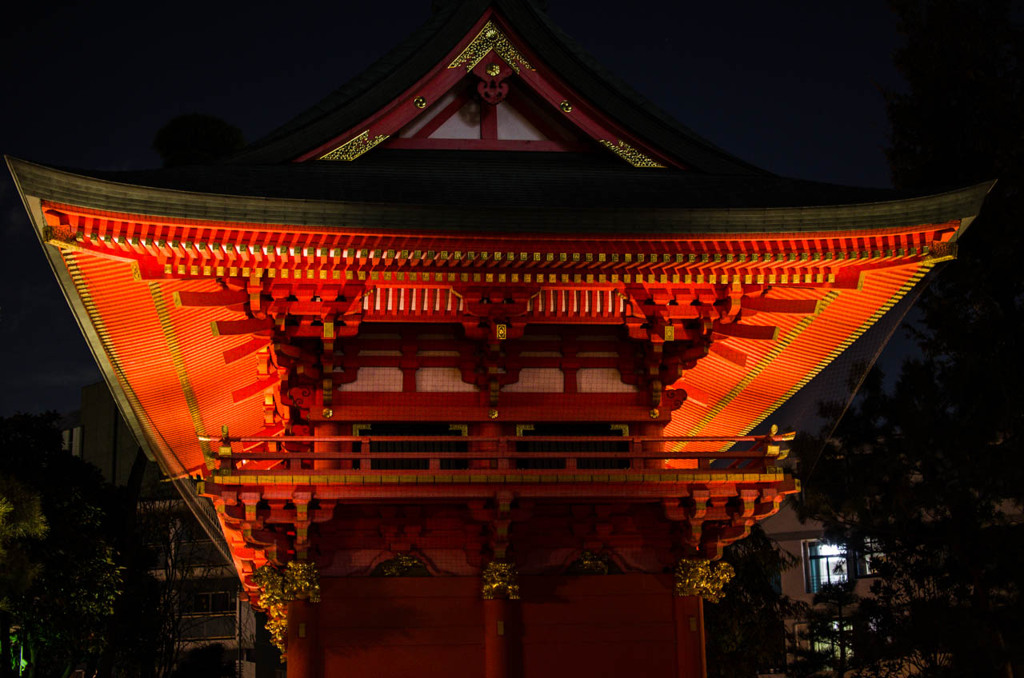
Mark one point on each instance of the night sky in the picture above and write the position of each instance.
(793, 87)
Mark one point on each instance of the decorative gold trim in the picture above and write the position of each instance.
(702, 578)
(400, 565)
(354, 147)
(501, 580)
(623, 429)
(629, 154)
(463, 429)
(357, 429)
(522, 428)
(171, 338)
(67, 242)
(941, 251)
(234, 477)
(591, 563)
(490, 38)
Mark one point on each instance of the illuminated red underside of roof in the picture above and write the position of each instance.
(128, 270)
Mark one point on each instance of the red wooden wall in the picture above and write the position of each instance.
(600, 625)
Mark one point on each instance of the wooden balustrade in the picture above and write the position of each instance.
(497, 454)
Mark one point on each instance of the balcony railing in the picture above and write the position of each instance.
(482, 456)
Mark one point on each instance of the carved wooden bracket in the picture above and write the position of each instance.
(492, 72)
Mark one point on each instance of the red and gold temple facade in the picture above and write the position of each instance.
(491, 439)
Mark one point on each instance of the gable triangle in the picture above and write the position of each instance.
(491, 93)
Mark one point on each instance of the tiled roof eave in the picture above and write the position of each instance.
(69, 188)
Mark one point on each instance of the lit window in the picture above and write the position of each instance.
(831, 637)
(824, 563)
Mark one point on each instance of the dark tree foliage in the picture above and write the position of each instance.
(930, 468)
(197, 139)
(824, 642)
(22, 525)
(208, 661)
(746, 629)
(61, 613)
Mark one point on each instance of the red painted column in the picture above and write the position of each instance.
(496, 638)
(486, 429)
(327, 428)
(691, 659)
(303, 643)
(500, 587)
(652, 430)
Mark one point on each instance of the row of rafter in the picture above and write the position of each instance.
(256, 246)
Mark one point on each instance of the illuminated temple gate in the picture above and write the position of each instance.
(470, 350)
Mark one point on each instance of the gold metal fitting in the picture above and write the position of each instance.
(420, 102)
(491, 34)
(702, 578)
(493, 414)
(565, 106)
(328, 413)
(654, 413)
(500, 580)
(493, 70)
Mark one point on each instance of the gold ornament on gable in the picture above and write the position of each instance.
(487, 40)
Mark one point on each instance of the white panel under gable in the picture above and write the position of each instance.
(427, 115)
(465, 124)
(513, 125)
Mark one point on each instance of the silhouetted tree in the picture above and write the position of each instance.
(62, 611)
(21, 523)
(929, 469)
(824, 643)
(197, 139)
(746, 630)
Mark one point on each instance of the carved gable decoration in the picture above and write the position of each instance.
(492, 94)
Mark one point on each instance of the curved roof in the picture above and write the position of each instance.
(454, 191)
